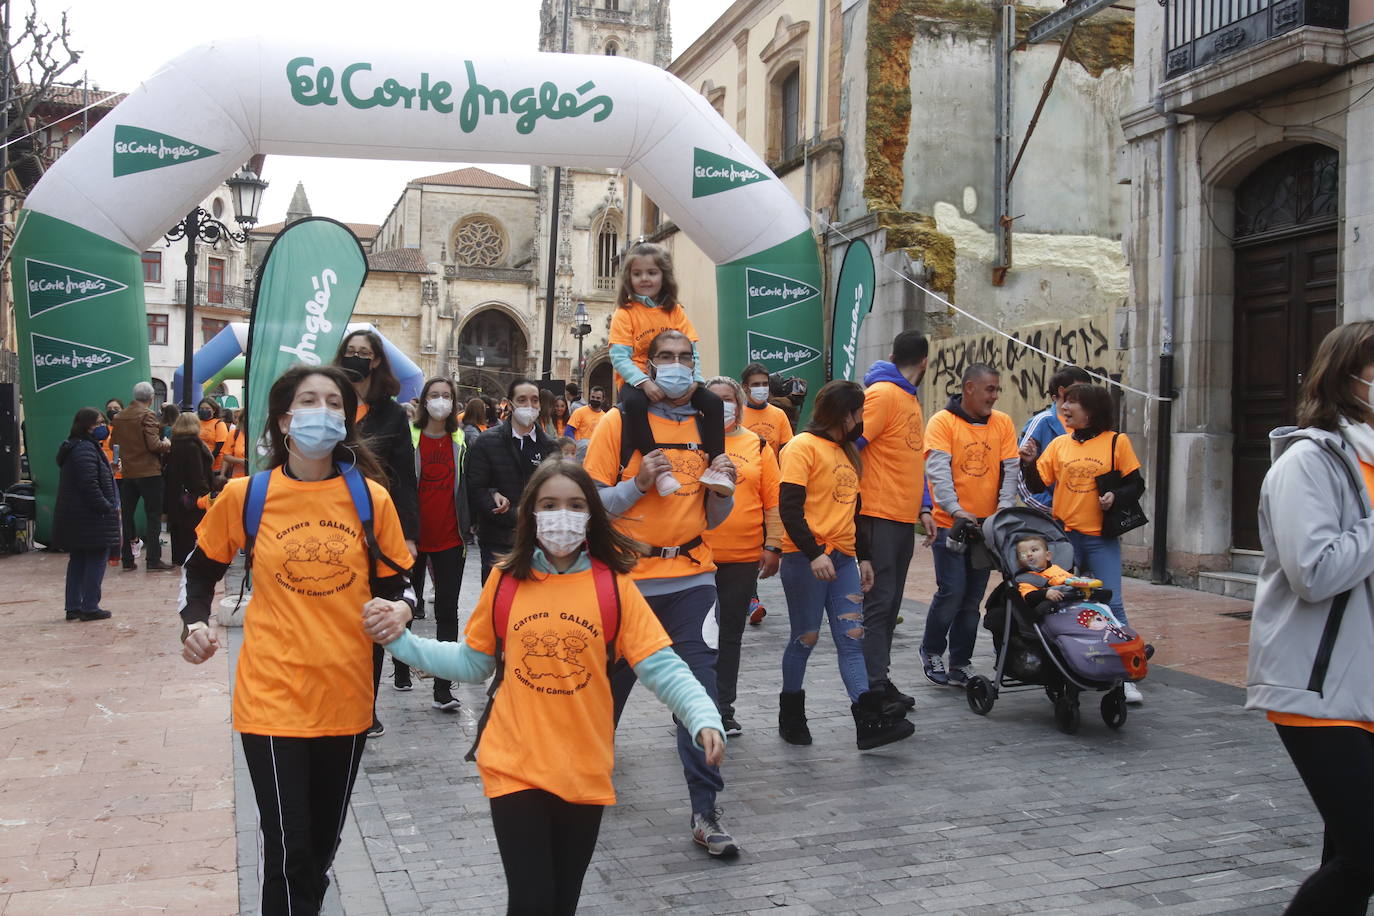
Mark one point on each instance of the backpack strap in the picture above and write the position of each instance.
(362, 503)
(608, 599)
(252, 510)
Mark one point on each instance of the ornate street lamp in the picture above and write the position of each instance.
(582, 326)
(198, 225)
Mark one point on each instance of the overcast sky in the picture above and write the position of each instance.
(124, 41)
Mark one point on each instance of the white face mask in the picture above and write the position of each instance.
(560, 531)
(525, 416)
(439, 408)
(729, 413)
(759, 394)
(1369, 391)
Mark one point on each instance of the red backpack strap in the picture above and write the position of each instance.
(608, 599)
(500, 621)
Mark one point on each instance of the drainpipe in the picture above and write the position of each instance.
(1159, 572)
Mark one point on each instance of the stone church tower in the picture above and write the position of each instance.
(592, 218)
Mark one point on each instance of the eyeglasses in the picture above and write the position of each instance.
(667, 359)
(354, 351)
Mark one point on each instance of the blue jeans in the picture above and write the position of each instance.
(952, 620)
(1100, 558)
(684, 616)
(85, 572)
(807, 599)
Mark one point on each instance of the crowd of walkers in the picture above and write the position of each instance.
(625, 544)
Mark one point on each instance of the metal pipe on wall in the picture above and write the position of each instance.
(1159, 553)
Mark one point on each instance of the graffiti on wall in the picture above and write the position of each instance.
(1083, 341)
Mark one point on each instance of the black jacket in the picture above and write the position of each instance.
(188, 468)
(87, 512)
(386, 431)
(495, 466)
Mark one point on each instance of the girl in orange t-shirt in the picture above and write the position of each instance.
(303, 687)
(825, 567)
(649, 306)
(214, 432)
(547, 751)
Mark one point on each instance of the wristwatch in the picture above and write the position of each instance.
(188, 628)
(773, 549)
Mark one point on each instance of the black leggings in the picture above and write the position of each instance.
(635, 406)
(448, 580)
(302, 787)
(546, 845)
(1336, 764)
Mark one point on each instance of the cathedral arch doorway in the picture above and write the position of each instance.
(492, 350)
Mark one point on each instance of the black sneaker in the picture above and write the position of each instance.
(708, 833)
(418, 613)
(892, 694)
(130, 564)
(401, 680)
(73, 615)
(97, 614)
(732, 728)
(159, 566)
(377, 729)
(447, 703)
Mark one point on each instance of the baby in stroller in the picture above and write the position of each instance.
(1044, 585)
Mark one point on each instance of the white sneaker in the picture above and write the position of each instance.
(1133, 695)
(667, 484)
(717, 482)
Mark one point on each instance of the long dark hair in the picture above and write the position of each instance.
(604, 542)
(475, 413)
(1326, 396)
(85, 419)
(350, 451)
(382, 382)
(667, 293)
(1097, 403)
(834, 402)
(422, 412)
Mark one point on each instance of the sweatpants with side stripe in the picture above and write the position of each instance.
(302, 787)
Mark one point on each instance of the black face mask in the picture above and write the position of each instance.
(111, 413)
(357, 367)
(595, 405)
(205, 413)
(856, 432)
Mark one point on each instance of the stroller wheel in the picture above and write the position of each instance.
(1066, 711)
(1054, 691)
(980, 695)
(1114, 707)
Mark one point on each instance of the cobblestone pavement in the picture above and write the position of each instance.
(1191, 808)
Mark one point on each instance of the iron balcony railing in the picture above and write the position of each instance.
(219, 295)
(1202, 31)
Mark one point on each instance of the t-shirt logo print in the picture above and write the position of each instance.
(1082, 476)
(974, 461)
(314, 567)
(551, 656)
(846, 484)
(915, 433)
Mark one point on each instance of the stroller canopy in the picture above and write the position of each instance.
(1005, 527)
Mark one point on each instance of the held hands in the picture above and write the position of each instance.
(713, 743)
(1029, 450)
(654, 464)
(865, 576)
(200, 645)
(823, 569)
(384, 621)
(1106, 500)
(768, 564)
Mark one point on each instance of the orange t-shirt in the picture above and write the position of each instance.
(1054, 575)
(1071, 466)
(660, 521)
(894, 459)
(769, 422)
(234, 448)
(976, 452)
(584, 421)
(1292, 718)
(306, 666)
(214, 431)
(635, 325)
(739, 539)
(832, 485)
(555, 685)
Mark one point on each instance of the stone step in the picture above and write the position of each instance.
(1246, 561)
(1230, 584)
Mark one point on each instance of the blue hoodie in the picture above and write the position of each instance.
(884, 371)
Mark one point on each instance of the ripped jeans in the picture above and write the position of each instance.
(807, 599)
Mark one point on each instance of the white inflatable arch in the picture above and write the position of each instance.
(77, 273)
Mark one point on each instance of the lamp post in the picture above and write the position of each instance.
(199, 225)
(582, 326)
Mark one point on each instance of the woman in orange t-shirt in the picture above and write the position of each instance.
(303, 687)
(825, 568)
(547, 750)
(747, 546)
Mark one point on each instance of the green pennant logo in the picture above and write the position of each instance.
(51, 286)
(779, 354)
(140, 150)
(712, 174)
(56, 360)
(768, 292)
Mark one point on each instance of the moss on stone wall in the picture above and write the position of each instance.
(918, 235)
(1099, 44)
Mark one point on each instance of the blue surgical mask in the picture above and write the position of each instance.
(315, 431)
(100, 433)
(674, 379)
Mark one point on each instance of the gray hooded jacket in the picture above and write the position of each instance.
(1306, 656)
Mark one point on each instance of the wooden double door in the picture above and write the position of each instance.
(1285, 303)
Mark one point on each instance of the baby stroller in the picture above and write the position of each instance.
(1070, 648)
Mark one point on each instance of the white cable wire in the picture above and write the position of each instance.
(64, 117)
(1106, 380)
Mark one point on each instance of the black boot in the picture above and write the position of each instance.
(792, 717)
(874, 727)
(895, 703)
